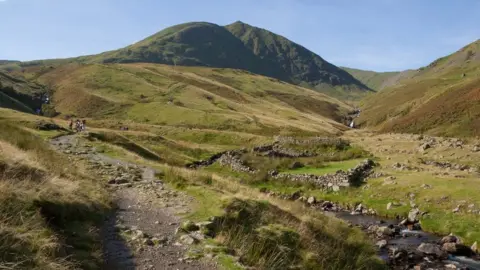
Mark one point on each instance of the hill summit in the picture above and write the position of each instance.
(238, 46)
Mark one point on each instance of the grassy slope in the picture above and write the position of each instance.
(437, 99)
(238, 46)
(48, 215)
(192, 97)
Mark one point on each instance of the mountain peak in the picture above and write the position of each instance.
(239, 46)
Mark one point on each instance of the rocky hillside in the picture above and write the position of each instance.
(237, 46)
(441, 98)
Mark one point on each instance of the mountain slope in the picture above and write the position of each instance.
(19, 94)
(299, 65)
(238, 46)
(194, 97)
(378, 80)
(441, 99)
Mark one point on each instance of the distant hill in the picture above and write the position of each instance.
(191, 97)
(19, 94)
(442, 98)
(237, 46)
(378, 80)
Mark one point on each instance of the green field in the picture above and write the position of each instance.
(330, 167)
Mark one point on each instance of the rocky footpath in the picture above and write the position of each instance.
(141, 232)
(352, 177)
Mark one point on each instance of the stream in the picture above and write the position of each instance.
(408, 240)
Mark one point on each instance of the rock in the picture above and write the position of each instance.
(424, 147)
(413, 215)
(476, 148)
(311, 200)
(431, 249)
(450, 266)
(398, 254)
(389, 206)
(384, 231)
(457, 249)
(148, 242)
(381, 244)
(456, 210)
(474, 247)
(159, 241)
(426, 186)
(335, 188)
(187, 239)
(450, 239)
(189, 226)
(359, 208)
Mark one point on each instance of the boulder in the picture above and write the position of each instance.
(389, 206)
(335, 188)
(398, 254)
(311, 200)
(413, 215)
(457, 249)
(187, 239)
(431, 249)
(381, 244)
(384, 231)
(450, 239)
(474, 247)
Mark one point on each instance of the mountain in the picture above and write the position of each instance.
(378, 80)
(441, 98)
(193, 97)
(19, 94)
(237, 46)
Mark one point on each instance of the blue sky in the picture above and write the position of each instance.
(378, 35)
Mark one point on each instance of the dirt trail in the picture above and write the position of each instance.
(140, 234)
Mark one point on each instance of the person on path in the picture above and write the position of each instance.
(84, 123)
(70, 125)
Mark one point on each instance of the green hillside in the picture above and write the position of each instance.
(442, 98)
(194, 97)
(237, 46)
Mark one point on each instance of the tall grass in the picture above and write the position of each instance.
(49, 210)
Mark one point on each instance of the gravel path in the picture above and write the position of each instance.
(140, 234)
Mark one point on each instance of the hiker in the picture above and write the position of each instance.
(84, 124)
(78, 125)
(70, 125)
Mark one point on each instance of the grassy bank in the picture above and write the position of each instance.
(268, 233)
(49, 209)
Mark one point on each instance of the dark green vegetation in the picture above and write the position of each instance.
(19, 94)
(441, 99)
(236, 46)
(49, 210)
